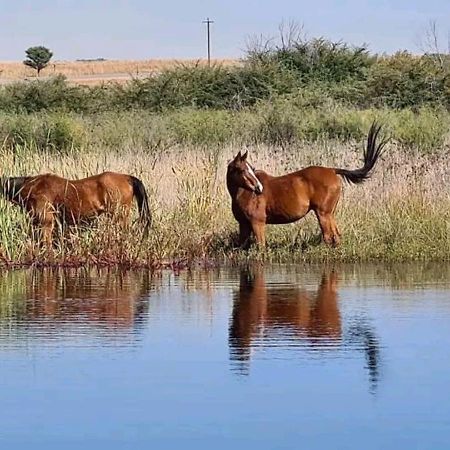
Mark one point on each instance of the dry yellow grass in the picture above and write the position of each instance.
(402, 213)
(91, 72)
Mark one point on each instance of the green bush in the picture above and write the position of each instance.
(281, 121)
(404, 80)
(425, 129)
(203, 87)
(34, 96)
(276, 125)
(317, 59)
(57, 132)
(202, 127)
(310, 73)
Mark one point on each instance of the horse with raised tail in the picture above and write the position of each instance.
(258, 198)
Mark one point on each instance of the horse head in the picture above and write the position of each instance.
(240, 174)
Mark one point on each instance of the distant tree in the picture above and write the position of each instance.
(38, 57)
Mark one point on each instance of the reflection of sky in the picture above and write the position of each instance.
(174, 387)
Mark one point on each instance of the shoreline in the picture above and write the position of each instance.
(210, 263)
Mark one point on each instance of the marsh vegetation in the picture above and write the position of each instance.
(304, 103)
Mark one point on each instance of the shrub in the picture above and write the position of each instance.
(404, 80)
(39, 95)
(425, 129)
(317, 59)
(204, 87)
(202, 127)
(311, 73)
(56, 132)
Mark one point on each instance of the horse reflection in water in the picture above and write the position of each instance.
(114, 301)
(286, 315)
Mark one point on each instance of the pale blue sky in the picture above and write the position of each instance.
(138, 29)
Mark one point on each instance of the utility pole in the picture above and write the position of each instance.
(208, 36)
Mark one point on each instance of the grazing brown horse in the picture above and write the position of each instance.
(259, 198)
(48, 197)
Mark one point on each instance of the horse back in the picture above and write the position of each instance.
(289, 197)
(79, 197)
(104, 190)
(320, 179)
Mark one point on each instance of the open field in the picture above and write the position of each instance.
(402, 213)
(96, 72)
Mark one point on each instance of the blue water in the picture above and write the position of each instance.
(277, 357)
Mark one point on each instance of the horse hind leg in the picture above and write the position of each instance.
(328, 227)
(336, 232)
(335, 228)
(325, 215)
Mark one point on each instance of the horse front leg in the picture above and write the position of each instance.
(43, 233)
(45, 221)
(259, 230)
(245, 230)
(47, 234)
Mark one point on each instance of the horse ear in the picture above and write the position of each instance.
(238, 156)
(244, 156)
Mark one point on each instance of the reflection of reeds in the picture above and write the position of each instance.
(13, 285)
(399, 276)
(402, 213)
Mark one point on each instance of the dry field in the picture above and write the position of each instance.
(94, 72)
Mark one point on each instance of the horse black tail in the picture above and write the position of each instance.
(141, 196)
(371, 154)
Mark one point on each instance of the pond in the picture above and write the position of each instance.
(254, 357)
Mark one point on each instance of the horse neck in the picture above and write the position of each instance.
(232, 188)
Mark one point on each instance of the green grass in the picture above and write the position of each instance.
(281, 122)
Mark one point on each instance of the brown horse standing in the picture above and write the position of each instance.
(48, 197)
(259, 198)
